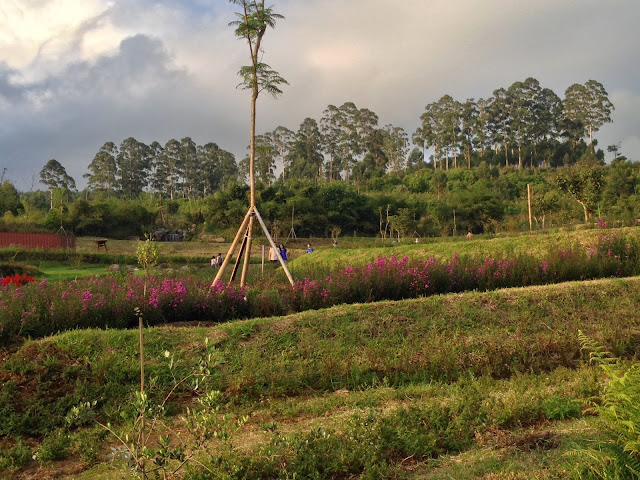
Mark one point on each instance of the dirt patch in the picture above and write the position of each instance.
(525, 441)
(51, 471)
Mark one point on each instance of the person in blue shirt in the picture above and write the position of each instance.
(309, 248)
(283, 252)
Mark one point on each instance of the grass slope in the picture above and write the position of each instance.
(536, 244)
(501, 360)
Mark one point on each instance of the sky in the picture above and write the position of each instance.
(75, 74)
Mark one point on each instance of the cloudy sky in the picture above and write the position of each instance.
(75, 74)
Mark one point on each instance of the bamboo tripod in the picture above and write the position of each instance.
(246, 228)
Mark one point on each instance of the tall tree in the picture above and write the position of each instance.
(330, 128)
(190, 169)
(500, 121)
(55, 176)
(251, 25)
(468, 126)
(133, 163)
(281, 140)
(396, 147)
(168, 170)
(103, 169)
(217, 167)
(305, 158)
(264, 160)
(588, 105)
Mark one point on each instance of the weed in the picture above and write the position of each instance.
(16, 456)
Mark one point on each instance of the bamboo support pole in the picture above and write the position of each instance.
(247, 257)
(238, 258)
(226, 260)
(273, 245)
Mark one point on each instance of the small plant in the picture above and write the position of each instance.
(150, 446)
(618, 407)
(56, 446)
(15, 457)
(147, 254)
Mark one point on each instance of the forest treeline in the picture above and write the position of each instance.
(345, 171)
(424, 202)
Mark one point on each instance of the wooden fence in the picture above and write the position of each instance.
(47, 241)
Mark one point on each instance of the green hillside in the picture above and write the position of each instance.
(469, 374)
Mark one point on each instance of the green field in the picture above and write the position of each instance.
(487, 385)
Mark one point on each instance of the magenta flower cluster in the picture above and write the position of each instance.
(39, 309)
(108, 302)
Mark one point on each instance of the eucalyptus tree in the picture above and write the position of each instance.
(190, 169)
(103, 170)
(217, 168)
(133, 162)
(415, 160)
(305, 158)
(168, 170)
(55, 176)
(332, 134)
(480, 130)
(264, 160)
(547, 113)
(500, 121)
(155, 158)
(282, 139)
(395, 146)
(469, 114)
(440, 129)
(588, 105)
(371, 137)
(450, 111)
(418, 138)
(521, 114)
(350, 141)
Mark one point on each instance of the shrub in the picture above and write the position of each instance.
(56, 446)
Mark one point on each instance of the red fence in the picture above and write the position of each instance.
(38, 240)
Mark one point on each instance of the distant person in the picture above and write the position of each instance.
(214, 261)
(309, 248)
(219, 260)
(469, 236)
(273, 256)
(416, 240)
(283, 252)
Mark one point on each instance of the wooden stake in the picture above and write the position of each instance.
(529, 203)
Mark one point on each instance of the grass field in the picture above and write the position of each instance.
(490, 385)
